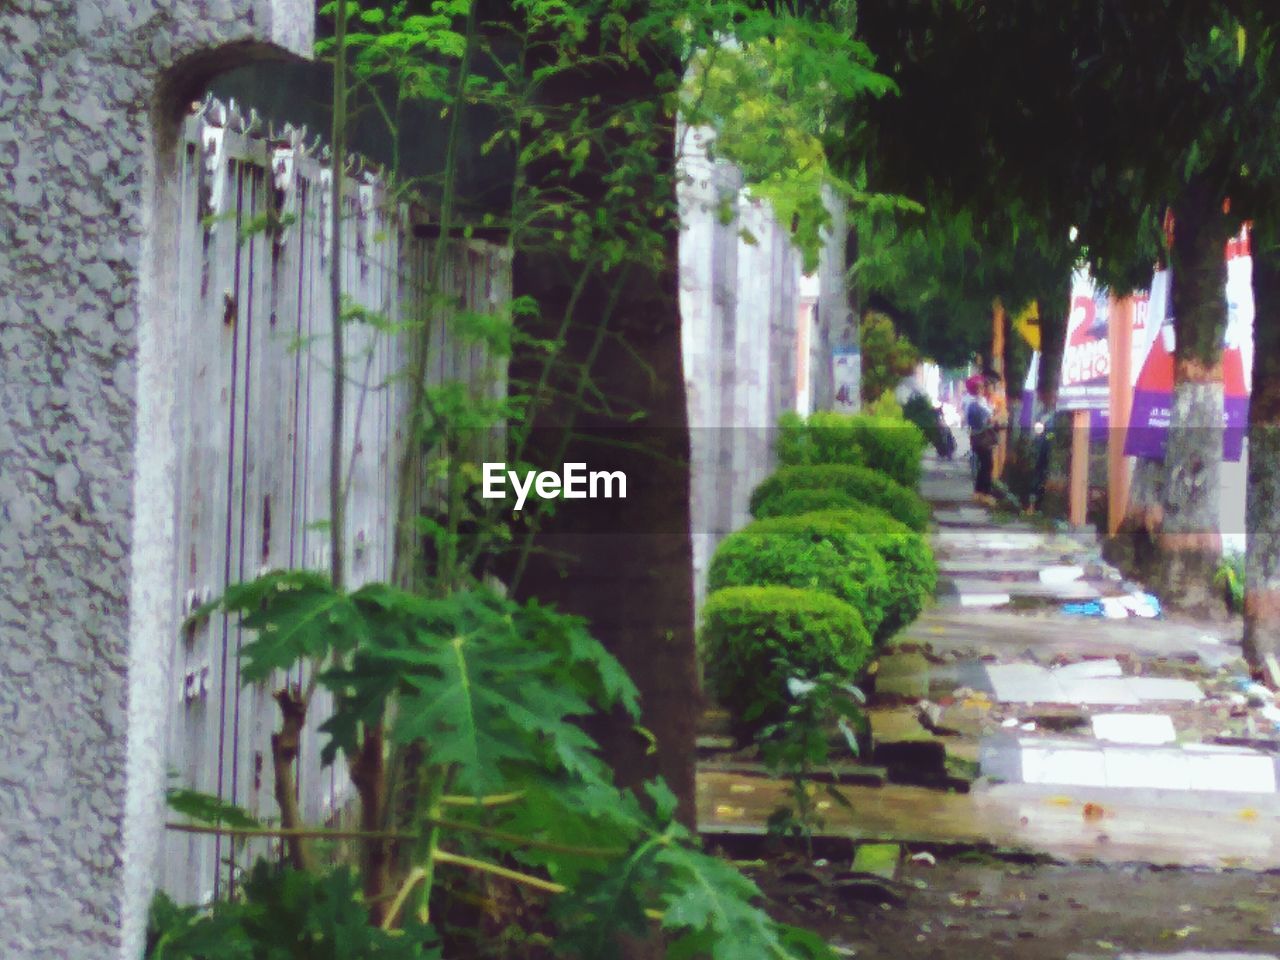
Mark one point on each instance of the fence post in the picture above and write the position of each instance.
(1079, 466)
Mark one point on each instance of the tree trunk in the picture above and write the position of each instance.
(1053, 333)
(1262, 502)
(624, 564)
(1190, 544)
(1134, 547)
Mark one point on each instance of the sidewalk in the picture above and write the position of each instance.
(1002, 722)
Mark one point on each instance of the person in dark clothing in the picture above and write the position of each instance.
(982, 438)
(1043, 446)
(945, 442)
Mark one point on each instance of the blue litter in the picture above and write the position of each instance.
(1142, 605)
(1090, 608)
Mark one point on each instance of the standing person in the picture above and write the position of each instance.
(982, 437)
(1043, 446)
(967, 399)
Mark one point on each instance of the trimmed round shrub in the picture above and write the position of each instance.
(892, 445)
(791, 503)
(913, 573)
(754, 638)
(912, 568)
(860, 484)
(814, 555)
(798, 443)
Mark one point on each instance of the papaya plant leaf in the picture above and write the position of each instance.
(297, 615)
(206, 808)
(707, 906)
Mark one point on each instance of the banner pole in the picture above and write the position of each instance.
(1079, 489)
(1120, 405)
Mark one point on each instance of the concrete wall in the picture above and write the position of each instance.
(90, 95)
(744, 323)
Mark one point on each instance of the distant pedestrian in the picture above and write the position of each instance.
(983, 437)
(1043, 448)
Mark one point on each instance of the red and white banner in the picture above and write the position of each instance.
(1153, 390)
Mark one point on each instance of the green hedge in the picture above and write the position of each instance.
(814, 555)
(913, 573)
(791, 503)
(860, 484)
(920, 411)
(892, 445)
(912, 567)
(754, 638)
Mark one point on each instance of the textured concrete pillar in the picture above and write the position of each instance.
(739, 305)
(837, 323)
(90, 94)
(708, 195)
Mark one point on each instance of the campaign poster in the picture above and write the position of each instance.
(846, 374)
(1153, 390)
(1086, 357)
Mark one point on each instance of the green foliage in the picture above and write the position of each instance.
(861, 484)
(798, 443)
(457, 695)
(790, 503)
(885, 405)
(801, 743)
(913, 574)
(283, 915)
(708, 907)
(934, 281)
(919, 410)
(489, 693)
(1230, 576)
(767, 90)
(892, 445)
(754, 639)
(831, 560)
(910, 560)
(887, 357)
(490, 685)
(705, 904)
(206, 808)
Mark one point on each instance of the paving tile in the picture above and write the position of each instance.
(1165, 688)
(1029, 589)
(1098, 691)
(1090, 669)
(984, 599)
(1057, 574)
(1044, 761)
(1201, 768)
(1145, 767)
(1000, 758)
(1234, 769)
(1021, 683)
(1145, 728)
(1091, 682)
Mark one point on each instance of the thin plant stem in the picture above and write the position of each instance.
(484, 866)
(406, 888)
(592, 353)
(337, 519)
(320, 833)
(402, 557)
